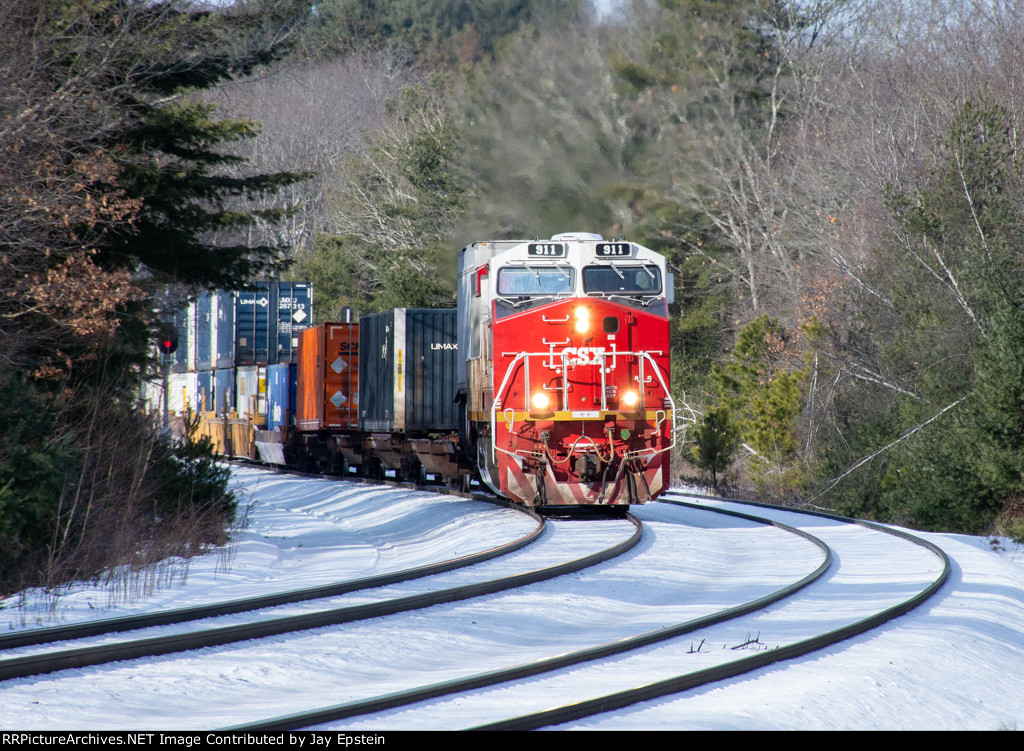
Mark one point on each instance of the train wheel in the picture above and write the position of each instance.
(412, 470)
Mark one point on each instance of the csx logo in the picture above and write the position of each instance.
(583, 355)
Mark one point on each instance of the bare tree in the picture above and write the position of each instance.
(313, 117)
(402, 191)
(727, 114)
(897, 77)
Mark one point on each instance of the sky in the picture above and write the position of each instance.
(955, 663)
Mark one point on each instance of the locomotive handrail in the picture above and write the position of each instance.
(505, 383)
(643, 355)
(671, 401)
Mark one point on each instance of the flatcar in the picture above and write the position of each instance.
(549, 382)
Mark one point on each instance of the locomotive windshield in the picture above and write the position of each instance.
(528, 286)
(529, 281)
(622, 280)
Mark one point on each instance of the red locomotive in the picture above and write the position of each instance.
(564, 368)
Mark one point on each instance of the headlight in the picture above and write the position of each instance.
(540, 401)
(582, 319)
(630, 399)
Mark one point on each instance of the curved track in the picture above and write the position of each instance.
(622, 634)
(70, 632)
(15, 665)
(831, 611)
(620, 646)
(855, 623)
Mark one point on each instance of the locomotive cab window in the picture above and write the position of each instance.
(622, 280)
(527, 281)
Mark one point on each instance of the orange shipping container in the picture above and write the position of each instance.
(327, 391)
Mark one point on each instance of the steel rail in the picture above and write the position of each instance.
(622, 699)
(212, 610)
(19, 667)
(617, 647)
(69, 632)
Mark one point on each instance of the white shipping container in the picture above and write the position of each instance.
(251, 390)
(182, 393)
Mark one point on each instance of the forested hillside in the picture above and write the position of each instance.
(834, 181)
(838, 185)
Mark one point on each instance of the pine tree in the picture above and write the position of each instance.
(717, 439)
(951, 335)
(762, 383)
(116, 181)
(191, 225)
(174, 153)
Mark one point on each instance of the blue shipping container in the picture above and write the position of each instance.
(214, 327)
(203, 307)
(294, 313)
(223, 328)
(267, 319)
(204, 390)
(281, 383)
(223, 391)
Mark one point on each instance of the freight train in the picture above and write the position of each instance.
(549, 382)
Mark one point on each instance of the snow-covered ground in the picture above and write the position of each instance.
(955, 663)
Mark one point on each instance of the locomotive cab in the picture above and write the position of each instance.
(564, 369)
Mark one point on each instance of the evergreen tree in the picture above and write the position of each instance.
(717, 439)
(191, 225)
(118, 182)
(174, 152)
(950, 333)
(763, 386)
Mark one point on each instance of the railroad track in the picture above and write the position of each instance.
(15, 663)
(621, 646)
(849, 625)
(472, 705)
(483, 695)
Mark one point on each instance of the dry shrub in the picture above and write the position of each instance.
(1011, 521)
(127, 500)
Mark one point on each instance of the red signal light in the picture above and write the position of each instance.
(167, 342)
